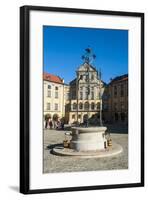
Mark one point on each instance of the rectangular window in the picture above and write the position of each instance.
(49, 93)
(122, 90)
(86, 95)
(56, 106)
(87, 78)
(122, 106)
(81, 95)
(67, 96)
(92, 95)
(56, 94)
(73, 95)
(115, 91)
(49, 86)
(48, 106)
(115, 106)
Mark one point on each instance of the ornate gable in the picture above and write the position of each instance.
(85, 67)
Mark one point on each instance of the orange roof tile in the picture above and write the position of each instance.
(52, 78)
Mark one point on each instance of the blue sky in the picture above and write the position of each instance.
(64, 46)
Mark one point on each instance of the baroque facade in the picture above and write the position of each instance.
(84, 98)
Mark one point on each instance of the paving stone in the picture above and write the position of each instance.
(54, 163)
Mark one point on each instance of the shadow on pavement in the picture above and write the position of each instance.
(51, 146)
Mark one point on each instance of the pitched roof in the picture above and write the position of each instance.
(119, 78)
(52, 78)
(73, 82)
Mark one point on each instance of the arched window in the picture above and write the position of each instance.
(98, 106)
(74, 106)
(79, 116)
(80, 106)
(92, 106)
(92, 77)
(86, 106)
(73, 116)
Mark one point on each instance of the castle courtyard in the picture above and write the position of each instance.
(55, 163)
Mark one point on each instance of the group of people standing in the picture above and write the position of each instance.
(52, 124)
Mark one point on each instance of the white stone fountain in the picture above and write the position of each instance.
(88, 142)
(88, 139)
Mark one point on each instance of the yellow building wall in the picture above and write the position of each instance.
(52, 100)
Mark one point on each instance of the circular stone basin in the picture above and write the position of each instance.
(110, 151)
(88, 139)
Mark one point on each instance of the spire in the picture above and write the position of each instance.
(100, 73)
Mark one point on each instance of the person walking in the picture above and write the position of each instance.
(62, 124)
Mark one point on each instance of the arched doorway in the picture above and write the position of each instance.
(55, 117)
(47, 117)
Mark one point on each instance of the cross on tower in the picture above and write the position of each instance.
(88, 56)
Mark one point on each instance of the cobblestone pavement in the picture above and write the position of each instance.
(54, 163)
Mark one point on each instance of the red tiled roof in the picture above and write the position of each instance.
(52, 78)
